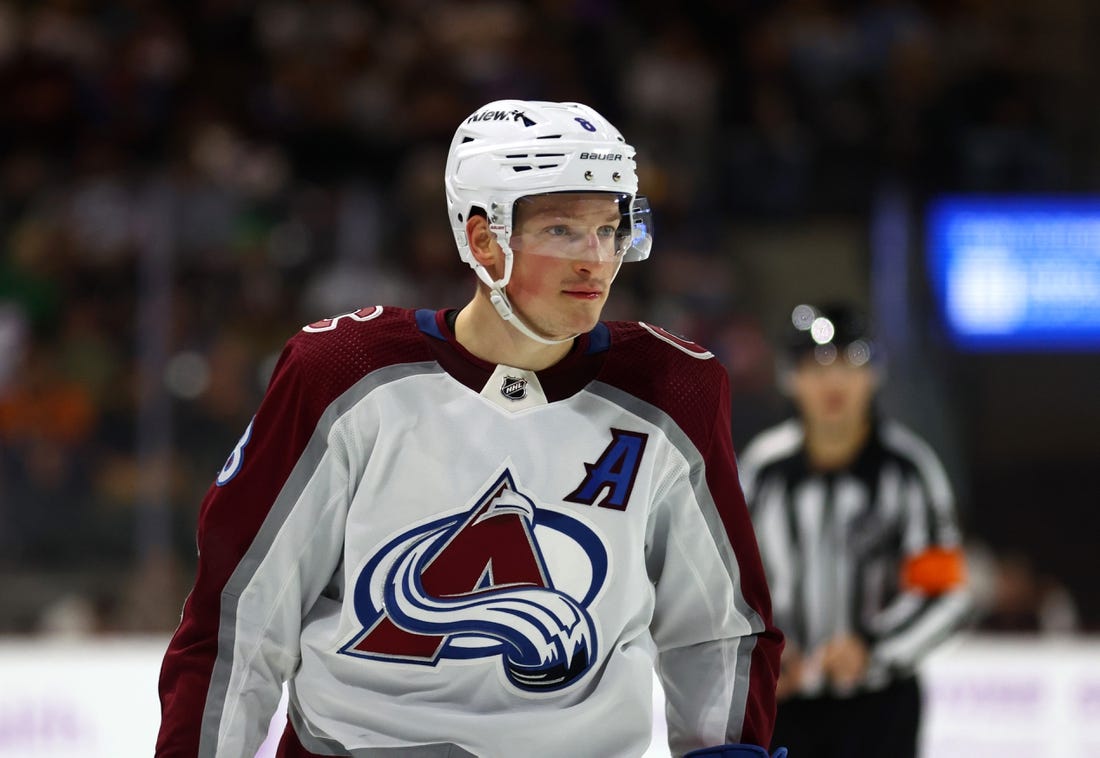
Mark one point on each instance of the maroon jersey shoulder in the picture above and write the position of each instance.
(334, 353)
(678, 376)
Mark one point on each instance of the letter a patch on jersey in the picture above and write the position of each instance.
(480, 585)
(614, 472)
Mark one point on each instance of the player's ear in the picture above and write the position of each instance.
(482, 241)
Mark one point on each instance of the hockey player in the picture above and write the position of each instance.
(856, 523)
(475, 532)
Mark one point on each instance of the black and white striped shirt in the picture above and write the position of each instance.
(835, 543)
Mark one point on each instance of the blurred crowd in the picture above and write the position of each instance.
(183, 185)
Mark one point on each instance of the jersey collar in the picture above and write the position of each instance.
(565, 378)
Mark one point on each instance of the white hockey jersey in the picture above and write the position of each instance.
(445, 557)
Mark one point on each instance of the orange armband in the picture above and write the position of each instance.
(934, 571)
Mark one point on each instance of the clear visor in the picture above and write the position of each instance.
(600, 227)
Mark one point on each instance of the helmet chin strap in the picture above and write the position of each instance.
(500, 300)
(505, 311)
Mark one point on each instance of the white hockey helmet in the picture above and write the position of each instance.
(511, 149)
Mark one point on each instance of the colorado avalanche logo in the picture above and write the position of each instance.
(505, 579)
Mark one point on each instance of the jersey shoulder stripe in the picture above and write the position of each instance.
(658, 354)
(334, 353)
(647, 338)
(685, 346)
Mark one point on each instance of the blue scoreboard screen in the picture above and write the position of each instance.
(1017, 273)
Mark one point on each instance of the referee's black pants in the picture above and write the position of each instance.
(879, 724)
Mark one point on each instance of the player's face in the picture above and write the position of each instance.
(840, 393)
(565, 260)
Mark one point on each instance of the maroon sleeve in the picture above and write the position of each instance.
(318, 365)
(723, 481)
(692, 387)
(229, 519)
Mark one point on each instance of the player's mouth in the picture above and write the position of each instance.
(583, 293)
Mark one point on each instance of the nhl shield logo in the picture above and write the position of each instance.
(514, 387)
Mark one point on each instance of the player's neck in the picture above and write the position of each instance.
(480, 330)
(836, 445)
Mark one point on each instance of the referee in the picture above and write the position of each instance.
(856, 524)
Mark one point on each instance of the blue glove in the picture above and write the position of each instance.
(735, 751)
